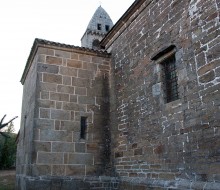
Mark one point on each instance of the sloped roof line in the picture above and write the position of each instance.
(41, 42)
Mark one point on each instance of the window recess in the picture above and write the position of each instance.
(83, 124)
(167, 61)
(170, 79)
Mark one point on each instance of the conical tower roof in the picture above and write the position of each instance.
(98, 26)
(100, 21)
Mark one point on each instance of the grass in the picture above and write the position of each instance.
(7, 182)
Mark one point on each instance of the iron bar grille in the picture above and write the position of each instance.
(83, 128)
(170, 79)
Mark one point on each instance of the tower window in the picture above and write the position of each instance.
(107, 28)
(83, 127)
(99, 26)
(95, 44)
(170, 79)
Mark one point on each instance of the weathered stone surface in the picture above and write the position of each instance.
(67, 71)
(81, 158)
(52, 78)
(62, 54)
(50, 158)
(74, 63)
(45, 68)
(74, 170)
(80, 82)
(65, 89)
(58, 170)
(59, 96)
(85, 74)
(42, 146)
(130, 130)
(81, 91)
(74, 106)
(52, 135)
(63, 147)
(207, 77)
(53, 60)
(80, 147)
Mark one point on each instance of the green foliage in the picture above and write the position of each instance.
(8, 148)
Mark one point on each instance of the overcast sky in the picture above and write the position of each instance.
(21, 21)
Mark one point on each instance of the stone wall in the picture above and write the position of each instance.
(65, 84)
(159, 144)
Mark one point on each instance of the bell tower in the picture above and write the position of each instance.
(98, 26)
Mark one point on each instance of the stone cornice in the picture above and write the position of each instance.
(57, 46)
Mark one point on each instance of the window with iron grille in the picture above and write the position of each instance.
(83, 128)
(170, 79)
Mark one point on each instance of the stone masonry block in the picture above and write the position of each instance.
(81, 91)
(43, 68)
(59, 96)
(80, 82)
(44, 124)
(65, 89)
(83, 57)
(85, 74)
(63, 147)
(70, 126)
(66, 80)
(81, 158)
(90, 66)
(45, 51)
(60, 114)
(44, 95)
(45, 103)
(73, 107)
(207, 77)
(73, 98)
(58, 170)
(54, 60)
(97, 59)
(86, 100)
(47, 86)
(42, 169)
(42, 146)
(80, 147)
(64, 54)
(67, 71)
(206, 68)
(75, 170)
(52, 135)
(50, 158)
(52, 78)
(74, 63)
(44, 113)
(75, 56)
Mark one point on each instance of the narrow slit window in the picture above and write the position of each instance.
(170, 79)
(83, 128)
(107, 28)
(99, 26)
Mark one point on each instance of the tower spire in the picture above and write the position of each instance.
(98, 26)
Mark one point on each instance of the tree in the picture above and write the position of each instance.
(8, 147)
(2, 125)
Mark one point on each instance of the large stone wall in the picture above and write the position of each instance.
(64, 85)
(159, 144)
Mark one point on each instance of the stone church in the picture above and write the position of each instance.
(136, 107)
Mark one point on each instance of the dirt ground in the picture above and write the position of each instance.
(7, 179)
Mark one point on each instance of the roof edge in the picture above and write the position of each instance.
(55, 45)
(124, 18)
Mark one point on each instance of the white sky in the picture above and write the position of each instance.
(21, 21)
